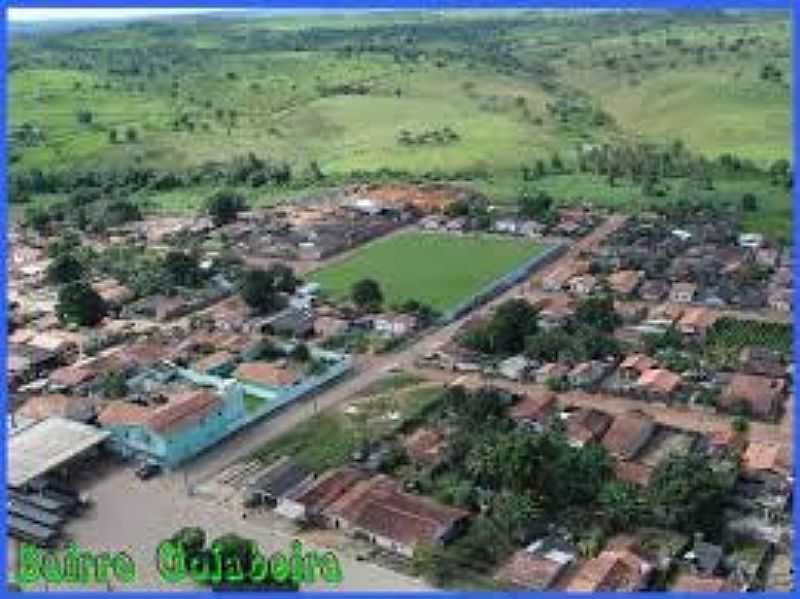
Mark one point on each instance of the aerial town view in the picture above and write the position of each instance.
(418, 300)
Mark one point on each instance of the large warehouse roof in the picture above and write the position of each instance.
(47, 445)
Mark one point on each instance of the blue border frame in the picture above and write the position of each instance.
(382, 4)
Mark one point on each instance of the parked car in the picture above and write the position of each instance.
(147, 471)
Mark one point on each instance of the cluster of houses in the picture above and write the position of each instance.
(569, 222)
(756, 384)
(357, 500)
(688, 260)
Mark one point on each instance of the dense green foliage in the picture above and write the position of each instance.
(79, 304)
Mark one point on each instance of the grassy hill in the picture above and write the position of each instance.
(346, 91)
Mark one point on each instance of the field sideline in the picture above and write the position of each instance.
(438, 269)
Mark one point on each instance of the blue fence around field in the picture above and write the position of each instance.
(509, 279)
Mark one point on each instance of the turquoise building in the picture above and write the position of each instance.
(191, 421)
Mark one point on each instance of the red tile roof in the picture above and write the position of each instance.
(689, 583)
(528, 570)
(380, 507)
(760, 392)
(659, 380)
(535, 407)
(123, 413)
(587, 424)
(264, 373)
(612, 570)
(183, 409)
(628, 434)
(328, 488)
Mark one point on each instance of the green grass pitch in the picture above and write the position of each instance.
(438, 269)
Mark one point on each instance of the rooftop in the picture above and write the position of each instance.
(47, 445)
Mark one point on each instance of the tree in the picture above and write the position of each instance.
(38, 219)
(182, 269)
(112, 136)
(259, 292)
(300, 353)
(512, 323)
(367, 294)
(686, 493)
(556, 162)
(740, 427)
(283, 278)
(84, 117)
(65, 268)
(131, 135)
(534, 206)
(430, 562)
(622, 505)
(549, 345)
(114, 385)
(224, 206)
(749, 202)
(514, 514)
(598, 311)
(79, 303)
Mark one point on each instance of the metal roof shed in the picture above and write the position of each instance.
(46, 446)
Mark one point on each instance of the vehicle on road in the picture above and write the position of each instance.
(147, 471)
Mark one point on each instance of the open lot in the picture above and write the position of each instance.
(436, 269)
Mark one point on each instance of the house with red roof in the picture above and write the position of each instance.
(379, 510)
(191, 420)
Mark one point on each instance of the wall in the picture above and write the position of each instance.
(509, 279)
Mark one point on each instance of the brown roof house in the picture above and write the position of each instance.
(535, 410)
(697, 322)
(628, 434)
(618, 569)
(756, 359)
(760, 396)
(114, 294)
(762, 457)
(323, 491)
(556, 311)
(625, 282)
(265, 374)
(659, 384)
(538, 567)
(587, 425)
(693, 583)
(379, 510)
(634, 366)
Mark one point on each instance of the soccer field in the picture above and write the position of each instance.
(438, 269)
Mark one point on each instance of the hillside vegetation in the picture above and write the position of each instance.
(468, 96)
